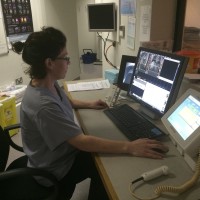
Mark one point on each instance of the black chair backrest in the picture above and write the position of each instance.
(4, 149)
(17, 182)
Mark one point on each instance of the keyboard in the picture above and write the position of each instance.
(132, 124)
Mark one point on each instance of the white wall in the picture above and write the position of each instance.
(62, 15)
(11, 68)
(161, 28)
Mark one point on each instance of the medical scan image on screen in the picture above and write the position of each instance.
(186, 118)
(128, 72)
(156, 76)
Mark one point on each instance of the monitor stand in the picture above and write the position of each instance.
(148, 112)
(112, 98)
(123, 94)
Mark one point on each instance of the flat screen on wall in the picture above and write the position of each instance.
(101, 17)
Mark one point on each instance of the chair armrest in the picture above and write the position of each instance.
(12, 144)
(13, 126)
(28, 171)
(14, 173)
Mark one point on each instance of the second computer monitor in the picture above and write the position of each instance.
(127, 68)
(157, 79)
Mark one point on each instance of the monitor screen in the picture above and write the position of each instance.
(102, 17)
(127, 69)
(157, 79)
(186, 118)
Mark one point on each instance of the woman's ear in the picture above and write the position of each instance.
(48, 63)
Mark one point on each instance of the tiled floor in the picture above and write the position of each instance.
(88, 71)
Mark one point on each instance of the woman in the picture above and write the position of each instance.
(51, 138)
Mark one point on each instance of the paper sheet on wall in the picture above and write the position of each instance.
(131, 32)
(128, 7)
(145, 23)
(92, 85)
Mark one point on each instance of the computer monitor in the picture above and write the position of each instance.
(182, 121)
(126, 71)
(102, 17)
(157, 79)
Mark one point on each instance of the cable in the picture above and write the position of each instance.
(140, 198)
(184, 187)
(139, 179)
(106, 50)
(171, 189)
(107, 57)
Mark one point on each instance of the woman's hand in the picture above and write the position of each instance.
(147, 148)
(99, 104)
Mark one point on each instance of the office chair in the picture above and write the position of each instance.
(16, 181)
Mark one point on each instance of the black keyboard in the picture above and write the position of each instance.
(131, 123)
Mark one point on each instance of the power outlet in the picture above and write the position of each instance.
(114, 43)
(18, 80)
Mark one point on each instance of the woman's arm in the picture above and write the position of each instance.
(99, 104)
(140, 147)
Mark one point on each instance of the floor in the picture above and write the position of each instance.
(88, 71)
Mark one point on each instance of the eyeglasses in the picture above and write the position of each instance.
(65, 58)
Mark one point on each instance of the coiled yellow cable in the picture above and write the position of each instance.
(187, 185)
(171, 189)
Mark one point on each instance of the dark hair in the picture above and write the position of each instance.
(47, 43)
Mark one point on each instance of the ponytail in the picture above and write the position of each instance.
(18, 47)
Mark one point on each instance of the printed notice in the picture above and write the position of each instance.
(145, 23)
(92, 85)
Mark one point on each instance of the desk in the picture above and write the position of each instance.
(118, 171)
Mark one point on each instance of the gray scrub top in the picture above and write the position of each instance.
(47, 122)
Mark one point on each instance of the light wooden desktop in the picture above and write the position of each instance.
(118, 171)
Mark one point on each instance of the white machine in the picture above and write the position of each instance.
(182, 121)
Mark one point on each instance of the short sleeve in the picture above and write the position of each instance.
(55, 125)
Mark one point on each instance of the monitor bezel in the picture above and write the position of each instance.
(176, 86)
(124, 60)
(114, 17)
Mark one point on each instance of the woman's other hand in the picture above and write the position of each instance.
(99, 104)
